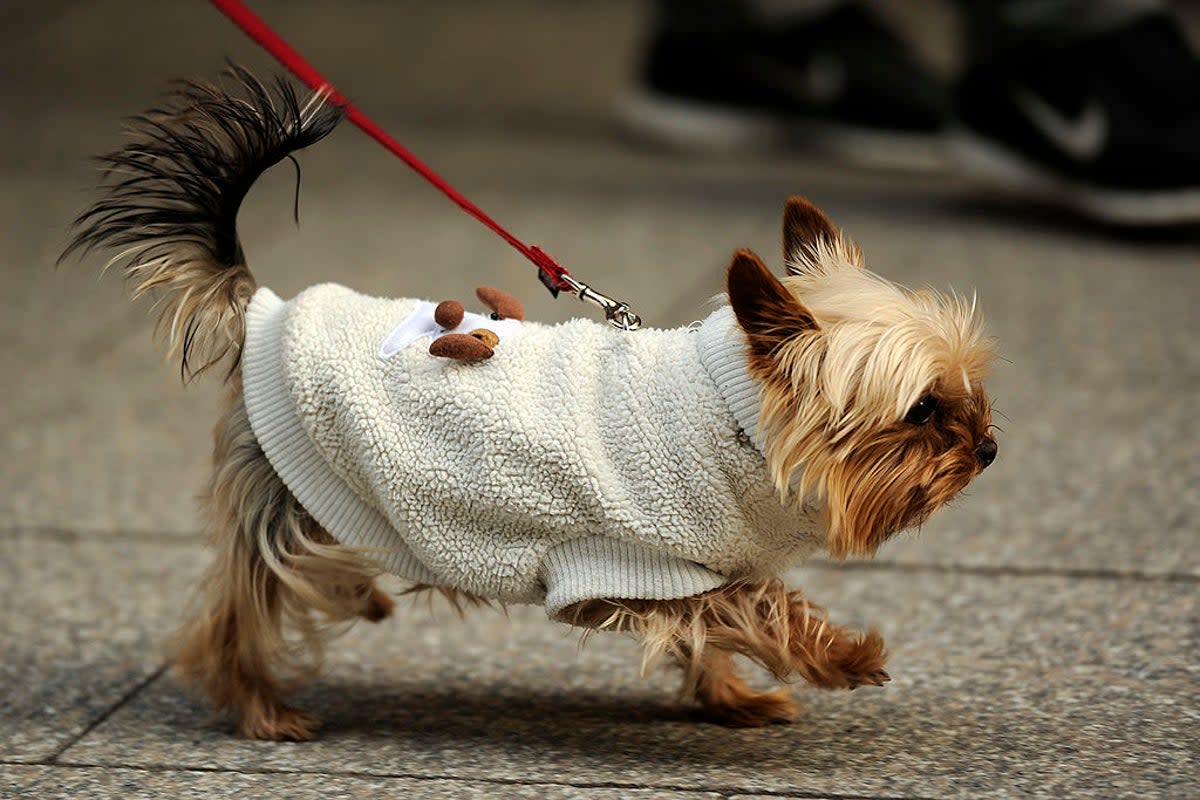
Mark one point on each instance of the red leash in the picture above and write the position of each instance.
(552, 274)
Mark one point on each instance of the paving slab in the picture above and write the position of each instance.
(47, 783)
(1002, 685)
(82, 629)
(14, 778)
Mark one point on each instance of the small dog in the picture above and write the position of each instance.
(655, 483)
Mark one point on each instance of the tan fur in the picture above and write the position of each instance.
(278, 587)
(858, 353)
(846, 359)
(728, 700)
(777, 628)
(202, 305)
(459, 600)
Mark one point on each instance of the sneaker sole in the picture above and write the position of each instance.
(999, 167)
(699, 127)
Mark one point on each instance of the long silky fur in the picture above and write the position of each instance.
(171, 199)
(278, 588)
(778, 628)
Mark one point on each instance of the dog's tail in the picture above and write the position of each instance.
(171, 198)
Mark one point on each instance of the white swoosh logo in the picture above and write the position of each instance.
(1082, 137)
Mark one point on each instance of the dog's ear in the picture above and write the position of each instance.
(767, 311)
(804, 226)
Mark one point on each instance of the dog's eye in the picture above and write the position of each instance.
(920, 413)
(494, 315)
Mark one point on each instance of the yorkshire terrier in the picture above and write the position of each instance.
(655, 482)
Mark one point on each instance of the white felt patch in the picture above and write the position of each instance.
(420, 326)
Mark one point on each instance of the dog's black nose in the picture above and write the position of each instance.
(986, 452)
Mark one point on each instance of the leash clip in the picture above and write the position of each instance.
(617, 312)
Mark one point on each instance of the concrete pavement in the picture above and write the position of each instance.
(1044, 630)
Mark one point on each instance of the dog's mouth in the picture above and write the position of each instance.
(874, 514)
(940, 491)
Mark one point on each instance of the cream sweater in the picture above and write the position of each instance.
(579, 462)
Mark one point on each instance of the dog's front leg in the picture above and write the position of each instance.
(828, 655)
(679, 628)
(781, 630)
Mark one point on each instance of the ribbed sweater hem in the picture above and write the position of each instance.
(598, 566)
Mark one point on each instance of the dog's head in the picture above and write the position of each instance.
(872, 394)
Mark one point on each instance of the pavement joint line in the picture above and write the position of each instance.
(125, 698)
(69, 535)
(178, 539)
(724, 791)
(1017, 571)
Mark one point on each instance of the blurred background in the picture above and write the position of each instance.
(1055, 602)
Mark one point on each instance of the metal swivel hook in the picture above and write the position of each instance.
(617, 312)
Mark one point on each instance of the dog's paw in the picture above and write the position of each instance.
(279, 724)
(379, 606)
(756, 710)
(860, 660)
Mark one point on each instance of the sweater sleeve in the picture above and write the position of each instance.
(598, 567)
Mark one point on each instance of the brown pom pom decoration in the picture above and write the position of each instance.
(449, 314)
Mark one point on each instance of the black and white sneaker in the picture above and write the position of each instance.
(1108, 125)
(841, 82)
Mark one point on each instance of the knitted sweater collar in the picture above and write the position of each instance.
(722, 347)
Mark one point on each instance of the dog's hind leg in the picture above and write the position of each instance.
(728, 699)
(229, 648)
(378, 605)
(277, 587)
